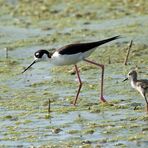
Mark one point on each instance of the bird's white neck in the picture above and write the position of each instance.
(133, 80)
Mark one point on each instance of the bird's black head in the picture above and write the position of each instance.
(40, 55)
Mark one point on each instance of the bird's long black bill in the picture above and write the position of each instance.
(125, 79)
(29, 66)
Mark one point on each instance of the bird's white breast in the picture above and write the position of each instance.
(60, 60)
(133, 84)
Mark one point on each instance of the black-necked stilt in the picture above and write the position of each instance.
(72, 54)
(140, 85)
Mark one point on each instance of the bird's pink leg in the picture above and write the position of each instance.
(102, 78)
(80, 85)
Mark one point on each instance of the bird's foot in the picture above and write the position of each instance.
(103, 99)
(74, 103)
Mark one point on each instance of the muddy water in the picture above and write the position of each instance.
(24, 117)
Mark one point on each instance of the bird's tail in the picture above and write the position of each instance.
(107, 40)
(92, 45)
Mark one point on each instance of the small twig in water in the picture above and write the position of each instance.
(49, 110)
(6, 52)
(128, 52)
(109, 60)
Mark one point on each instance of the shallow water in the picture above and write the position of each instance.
(24, 117)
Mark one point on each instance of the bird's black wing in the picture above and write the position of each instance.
(82, 47)
(143, 83)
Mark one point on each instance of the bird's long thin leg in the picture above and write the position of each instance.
(146, 102)
(102, 78)
(80, 85)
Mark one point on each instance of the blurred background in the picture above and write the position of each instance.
(29, 25)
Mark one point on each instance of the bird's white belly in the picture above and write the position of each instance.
(138, 88)
(141, 91)
(61, 60)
